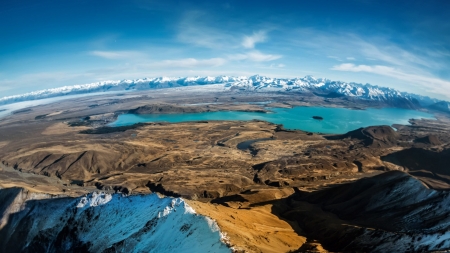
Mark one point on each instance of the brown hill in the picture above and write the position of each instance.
(431, 139)
(374, 136)
(432, 167)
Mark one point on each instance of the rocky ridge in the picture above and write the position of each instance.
(101, 222)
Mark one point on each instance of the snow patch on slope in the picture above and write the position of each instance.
(95, 199)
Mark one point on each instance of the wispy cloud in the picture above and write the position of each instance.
(113, 55)
(191, 63)
(393, 54)
(433, 84)
(334, 57)
(280, 65)
(255, 56)
(6, 85)
(338, 45)
(364, 68)
(43, 80)
(256, 37)
(192, 29)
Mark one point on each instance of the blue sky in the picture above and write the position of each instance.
(399, 44)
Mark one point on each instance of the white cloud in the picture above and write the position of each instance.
(255, 56)
(195, 28)
(430, 83)
(364, 68)
(256, 37)
(334, 57)
(191, 63)
(112, 55)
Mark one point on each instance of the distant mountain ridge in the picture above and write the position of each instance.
(253, 83)
(443, 106)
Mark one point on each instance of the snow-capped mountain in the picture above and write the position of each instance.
(320, 86)
(99, 222)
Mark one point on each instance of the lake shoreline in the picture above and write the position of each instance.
(338, 120)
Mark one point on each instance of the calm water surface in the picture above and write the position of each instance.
(336, 120)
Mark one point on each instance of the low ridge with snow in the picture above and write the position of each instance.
(320, 86)
(101, 222)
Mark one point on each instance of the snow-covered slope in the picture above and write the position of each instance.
(321, 86)
(101, 222)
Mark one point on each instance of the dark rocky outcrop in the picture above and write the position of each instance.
(108, 129)
(164, 109)
(329, 95)
(418, 159)
(431, 139)
(374, 136)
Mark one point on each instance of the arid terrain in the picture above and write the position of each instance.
(291, 191)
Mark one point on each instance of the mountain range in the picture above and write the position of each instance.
(308, 84)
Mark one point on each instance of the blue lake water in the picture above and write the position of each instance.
(336, 120)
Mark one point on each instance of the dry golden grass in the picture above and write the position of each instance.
(252, 230)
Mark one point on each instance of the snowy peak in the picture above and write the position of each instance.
(252, 83)
(101, 222)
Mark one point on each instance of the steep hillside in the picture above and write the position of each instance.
(389, 211)
(102, 222)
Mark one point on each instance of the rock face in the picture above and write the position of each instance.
(374, 136)
(378, 214)
(101, 222)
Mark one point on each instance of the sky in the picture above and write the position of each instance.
(399, 44)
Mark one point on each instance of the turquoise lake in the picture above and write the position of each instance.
(336, 120)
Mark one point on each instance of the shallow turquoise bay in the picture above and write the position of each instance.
(336, 120)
